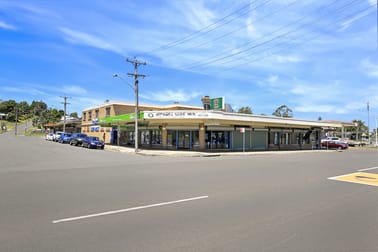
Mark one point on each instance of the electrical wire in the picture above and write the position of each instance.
(243, 48)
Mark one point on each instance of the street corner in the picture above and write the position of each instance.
(358, 178)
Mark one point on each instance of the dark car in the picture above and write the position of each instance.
(93, 142)
(65, 138)
(335, 144)
(77, 139)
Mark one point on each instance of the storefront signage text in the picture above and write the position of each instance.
(174, 114)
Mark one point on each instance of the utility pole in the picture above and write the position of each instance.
(65, 109)
(16, 115)
(136, 63)
(368, 110)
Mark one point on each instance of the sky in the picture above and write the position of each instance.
(318, 57)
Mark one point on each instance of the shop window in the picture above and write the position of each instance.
(285, 138)
(171, 138)
(274, 138)
(156, 137)
(217, 139)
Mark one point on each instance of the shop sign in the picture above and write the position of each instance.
(175, 114)
(119, 118)
(217, 103)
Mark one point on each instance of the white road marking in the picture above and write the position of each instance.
(337, 177)
(367, 169)
(127, 209)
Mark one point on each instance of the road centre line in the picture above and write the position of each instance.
(127, 210)
(367, 169)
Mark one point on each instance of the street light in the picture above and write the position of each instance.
(136, 108)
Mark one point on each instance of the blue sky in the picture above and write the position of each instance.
(318, 57)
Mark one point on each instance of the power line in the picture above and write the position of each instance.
(303, 41)
(203, 30)
(243, 48)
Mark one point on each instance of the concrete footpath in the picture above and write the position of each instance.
(174, 153)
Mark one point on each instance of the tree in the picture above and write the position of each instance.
(8, 106)
(283, 111)
(36, 107)
(74, 115)
(245, 110)
(358, 130)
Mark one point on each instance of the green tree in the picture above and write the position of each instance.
(8, 106)
(283, 111)
(245, 110)
(36, 107)
(74, 115)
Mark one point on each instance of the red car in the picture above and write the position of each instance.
(335, 144)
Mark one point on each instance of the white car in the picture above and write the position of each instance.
(49, 137)
(57, 135)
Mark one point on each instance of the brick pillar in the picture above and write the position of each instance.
(202, 142)
(164, 135)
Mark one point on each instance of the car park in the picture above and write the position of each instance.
(92, 142)
(77, 139)
(65, 138)
(334, 144)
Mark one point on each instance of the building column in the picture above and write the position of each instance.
(164, 135)
(202, 143)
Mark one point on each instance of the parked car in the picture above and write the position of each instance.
(355, 143)
(335, 144)
(93, 142)
(77, 139)
(57, 136)
(65, 138)
(49, 137)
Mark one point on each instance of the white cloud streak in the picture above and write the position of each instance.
(369, 68)
(171, 96)
(6, 26)
(83, 38)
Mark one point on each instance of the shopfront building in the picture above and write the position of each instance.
(207, 130)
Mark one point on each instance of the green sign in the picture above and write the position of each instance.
(120, 118)
(217, 103)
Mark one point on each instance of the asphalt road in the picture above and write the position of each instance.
(56, 197)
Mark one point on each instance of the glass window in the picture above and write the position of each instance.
(107, 112)
(171, 138)
(96, 113)
(84, 116)
(285, 138)
(89, 115)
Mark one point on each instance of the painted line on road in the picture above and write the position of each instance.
(127, 209)
(368, 169)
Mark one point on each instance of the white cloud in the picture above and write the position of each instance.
(197, 15)
(251, 29)
(83, 38)
(271, 81)
(369, 68)
(287, 59)
(6, 26)
(74, 90)
(23, 90)
(171, 96)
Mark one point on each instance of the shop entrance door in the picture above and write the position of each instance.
(184, 139)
